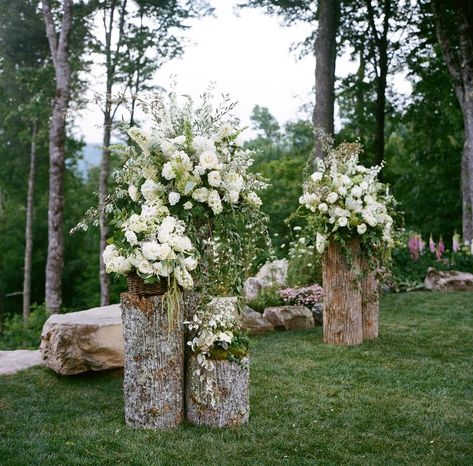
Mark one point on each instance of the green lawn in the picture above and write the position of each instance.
(404, 399)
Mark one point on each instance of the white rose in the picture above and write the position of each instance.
(150, 190)
(214, 178)
(361, 228)
(342, 221)
(150, 250)
(332, 198)
(162, 269)
(179, 140)
(109, 253)
(323, 207)
(133, 192)
(180, 243)
(174, 198)
(145, 267)
(131, 238)
(364, 185)
(316, 176)
(136, 224)
(168, 171)
(342, 191)
(209, 160)
(190, 263)
(356, 191)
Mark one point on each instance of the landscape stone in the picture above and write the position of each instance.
(451, 280)
(251, 288)
(271, 274)
(82, 341)
(318, 313)
(289, 317)
(254, 322)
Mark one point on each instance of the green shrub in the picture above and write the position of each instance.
(18, 334)
(268, 297)
(305, 264)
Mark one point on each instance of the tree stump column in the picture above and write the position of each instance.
(154, 363)
(369, 301)
(342, 294)
(232, 389)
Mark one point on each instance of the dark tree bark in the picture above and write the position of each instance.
(342, 294)
(380, 56)
(325, 58)
(454, 28)
(59, 46)
(29, 225)
(154, 363)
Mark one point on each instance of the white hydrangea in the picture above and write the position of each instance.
(174, 198)
(151, 190)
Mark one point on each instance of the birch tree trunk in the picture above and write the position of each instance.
(325, 57)
(59, 46)
(154, 364)
(29, 225)
(343, 321)
(232, 389)
(369, 301)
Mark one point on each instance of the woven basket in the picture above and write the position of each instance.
(137, 286)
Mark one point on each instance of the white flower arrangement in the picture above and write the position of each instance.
(345, 199)
(216, 329)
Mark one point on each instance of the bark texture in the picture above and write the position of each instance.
(29, 225)
(59, 47)
(233, 392)
(369, 301)
(454, 28)
(342, 294)
(154, 364)
(325, 57)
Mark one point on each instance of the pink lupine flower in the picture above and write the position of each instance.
(432, 245)
(414, 246)
(421, 245)
(456, 242)
(440, 249)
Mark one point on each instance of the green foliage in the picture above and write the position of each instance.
(402, 399)
(305, 264)
(20, 334)
(268, 297)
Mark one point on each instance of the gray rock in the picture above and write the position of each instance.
(14, 361)
(251, 288)
(254, 322)
(273, 273)
(289, 317)
(451, 280)
(83, 341)
(318, 313)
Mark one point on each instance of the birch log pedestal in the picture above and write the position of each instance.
(342, 320)
(232, 388)
(369, 301)
(154, 363)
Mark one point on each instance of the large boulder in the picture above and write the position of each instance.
(254, 323)
(82, 341)
(451, 280)
(272, 274)
(289, 317)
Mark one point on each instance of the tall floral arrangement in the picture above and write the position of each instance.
(346, 199)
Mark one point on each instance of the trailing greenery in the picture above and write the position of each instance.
(403, 399)
(268, 297)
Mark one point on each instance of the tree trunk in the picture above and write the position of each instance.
(369, 301)
(380, 113)
(59, 47)
(29, 225)
(154, 364)
(103, 191)
(325, 57)
(457, 50)
(232, 389)
(342, 295)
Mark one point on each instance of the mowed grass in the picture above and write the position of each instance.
(406, 398)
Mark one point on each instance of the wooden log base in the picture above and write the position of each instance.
(232, 389)
(154, 363)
